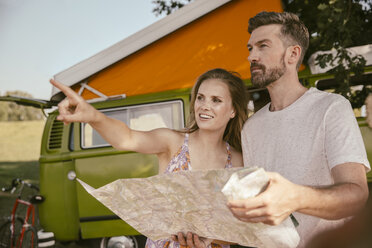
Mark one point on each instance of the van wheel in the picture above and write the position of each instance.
(119, 242)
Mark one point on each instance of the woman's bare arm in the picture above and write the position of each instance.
(75, 109)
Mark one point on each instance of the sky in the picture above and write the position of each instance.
(40, 38)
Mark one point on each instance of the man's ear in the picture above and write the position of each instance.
(294, 54)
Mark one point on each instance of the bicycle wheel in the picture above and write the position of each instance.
(30, 238)
(6, 234)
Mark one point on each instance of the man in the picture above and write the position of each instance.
(307, 140)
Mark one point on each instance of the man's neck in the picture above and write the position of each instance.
(284, 92)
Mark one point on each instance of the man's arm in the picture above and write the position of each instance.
(344, 198)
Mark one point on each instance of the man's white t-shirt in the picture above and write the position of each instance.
(303, 142)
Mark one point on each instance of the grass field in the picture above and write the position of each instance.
(19, 151)
(20, 140)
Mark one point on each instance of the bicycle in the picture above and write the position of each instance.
(17, 231)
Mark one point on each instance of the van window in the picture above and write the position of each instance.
(141, 117)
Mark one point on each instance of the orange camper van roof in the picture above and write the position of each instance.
(171, 53)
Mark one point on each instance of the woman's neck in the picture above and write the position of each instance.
(206, 138)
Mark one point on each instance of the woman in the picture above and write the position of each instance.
(211, 139)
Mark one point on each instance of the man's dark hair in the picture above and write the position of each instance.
(293, 31)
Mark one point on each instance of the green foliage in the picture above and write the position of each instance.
(337, 25)
(334, 23)
(168, 6)
(10, 111)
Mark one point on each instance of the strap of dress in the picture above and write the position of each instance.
(181, 159)
(186, 141)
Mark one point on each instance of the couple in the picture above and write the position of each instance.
(309, 139)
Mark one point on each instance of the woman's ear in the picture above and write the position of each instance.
(232, 115)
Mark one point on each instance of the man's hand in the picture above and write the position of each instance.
(192, 240)
(282, 197)
(73, 108)
(272, 206)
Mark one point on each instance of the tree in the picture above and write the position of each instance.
(10, 111)
(168, 6)
(332, 24)
(3, 111)
(338, 25)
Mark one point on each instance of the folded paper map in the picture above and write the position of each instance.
(163, 205)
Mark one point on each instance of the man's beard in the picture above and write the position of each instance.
(267, 76)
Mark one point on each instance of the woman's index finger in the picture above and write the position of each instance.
(65, 89)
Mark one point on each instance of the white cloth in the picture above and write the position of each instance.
(303, 142)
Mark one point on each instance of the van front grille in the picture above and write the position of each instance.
(55, 138)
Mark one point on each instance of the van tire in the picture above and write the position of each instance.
(127, 241)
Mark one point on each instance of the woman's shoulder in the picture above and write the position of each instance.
(171, 136)
(168, 133)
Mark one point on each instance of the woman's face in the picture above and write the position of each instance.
(213, 105)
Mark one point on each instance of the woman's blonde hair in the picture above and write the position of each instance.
(239, 99)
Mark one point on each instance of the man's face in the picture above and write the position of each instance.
(266, 55)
